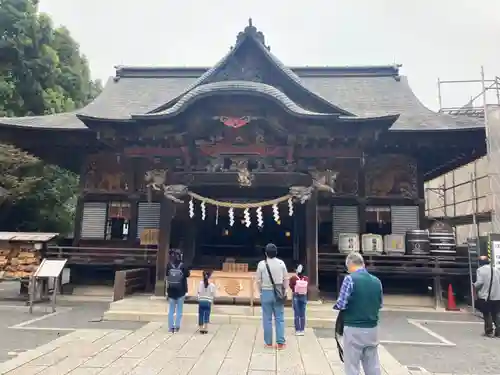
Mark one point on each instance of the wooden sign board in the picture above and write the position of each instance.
(50, 268)
(150, 237)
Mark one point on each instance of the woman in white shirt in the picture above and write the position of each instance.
(206, 295)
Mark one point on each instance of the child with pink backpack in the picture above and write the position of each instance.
(299, 284)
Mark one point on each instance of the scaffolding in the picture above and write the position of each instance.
(484, 105)
(489, 94)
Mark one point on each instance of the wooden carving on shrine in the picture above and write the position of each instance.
(104, 173)
(339, 176)
(156, 180)
(391, 176)
(324, 180)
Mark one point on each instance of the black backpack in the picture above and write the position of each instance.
(175, 278)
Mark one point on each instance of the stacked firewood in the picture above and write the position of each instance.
(19, 263)
(4, 259)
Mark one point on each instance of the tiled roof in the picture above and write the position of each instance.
(235, 87)
(359, 91)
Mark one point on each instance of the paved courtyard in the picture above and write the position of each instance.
(151, 350)
(74, 340)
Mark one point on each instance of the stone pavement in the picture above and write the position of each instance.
(152, 350)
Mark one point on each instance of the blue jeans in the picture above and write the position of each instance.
(175, 306)
(204, 308)
(270, 308)
(299, 312)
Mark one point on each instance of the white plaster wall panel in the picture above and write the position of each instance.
(463, 174)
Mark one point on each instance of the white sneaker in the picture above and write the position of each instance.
(299, 333)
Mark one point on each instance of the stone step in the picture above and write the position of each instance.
(192, 318)
(161, 307)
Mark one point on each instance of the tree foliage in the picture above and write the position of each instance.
(41, 72)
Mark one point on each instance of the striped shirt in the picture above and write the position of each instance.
(206, 294)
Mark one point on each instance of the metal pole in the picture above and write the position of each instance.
(440, 99)
(494, 224)
(497, 81)
(475, 235)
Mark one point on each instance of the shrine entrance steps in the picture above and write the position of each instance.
(148, 308)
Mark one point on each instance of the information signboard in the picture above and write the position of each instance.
(50, 268)
(495, 253)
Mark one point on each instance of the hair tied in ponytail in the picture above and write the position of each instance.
(206, 276)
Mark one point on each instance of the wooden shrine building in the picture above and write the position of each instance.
(220, 161)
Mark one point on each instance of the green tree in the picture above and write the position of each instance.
(41, 72)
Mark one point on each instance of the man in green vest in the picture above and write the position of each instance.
(360, 301)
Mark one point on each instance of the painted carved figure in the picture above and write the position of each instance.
(155, 178)
(324, 180)
(111, 181)
(245, 178)
(174, 192)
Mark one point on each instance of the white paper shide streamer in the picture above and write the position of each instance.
(203, 211)
(246, 215)
(191, 208)
(290, 207)
(276, 213)
(260, 218)
(231, 217)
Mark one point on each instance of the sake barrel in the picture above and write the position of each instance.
(372, 244)
(348, 242)
(394, 244)
(442, 244)
(417, 242)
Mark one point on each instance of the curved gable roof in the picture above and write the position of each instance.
(251, 35)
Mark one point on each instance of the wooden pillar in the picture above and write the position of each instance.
(362, 196)
(167, 212)
(312, 245)
(78, 221)
(132, 224)
(421, 199)
(189, 241)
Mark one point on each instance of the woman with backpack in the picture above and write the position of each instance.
(298, 285)
(176, 280)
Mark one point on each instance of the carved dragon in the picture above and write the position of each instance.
(322, 181)
(301, 193)
(174, 192)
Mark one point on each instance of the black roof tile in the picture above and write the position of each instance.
(366, 91)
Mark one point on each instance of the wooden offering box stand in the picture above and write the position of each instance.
(234, 283)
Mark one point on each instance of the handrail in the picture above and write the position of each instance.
(103, 255)
(100, 248)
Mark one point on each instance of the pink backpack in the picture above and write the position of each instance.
(301, 287)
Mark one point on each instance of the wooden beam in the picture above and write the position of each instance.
(167, 212)
(312, 246)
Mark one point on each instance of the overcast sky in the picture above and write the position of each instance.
(449, 39)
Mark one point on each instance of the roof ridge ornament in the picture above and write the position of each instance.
(251, 31)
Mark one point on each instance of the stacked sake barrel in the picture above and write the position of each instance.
(442, 239)
(417, 242)
(348, 242)
(372, 244)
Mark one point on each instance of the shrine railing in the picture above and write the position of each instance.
(411, 265)
(103, 255)
(128, 282)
